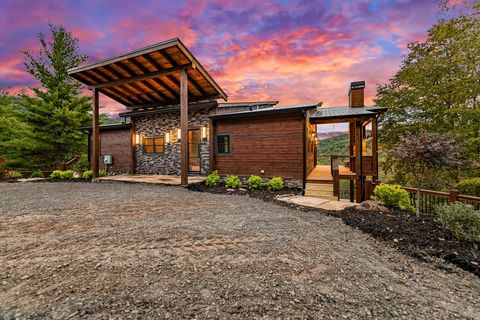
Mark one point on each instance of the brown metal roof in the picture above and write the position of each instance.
(150, 76)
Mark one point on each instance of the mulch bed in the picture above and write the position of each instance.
(422, 238)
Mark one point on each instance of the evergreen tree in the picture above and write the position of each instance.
(437, 89)
(56, 111)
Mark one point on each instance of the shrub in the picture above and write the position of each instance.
(36, 174)
(13, 175)
(56, 174)
(275, 184)
(254, 182)
(233, 182)
(461, 219)
(87, 175)
(102, 173)
(393, 196)
(470, 186)
(213, 179)
(66, 175)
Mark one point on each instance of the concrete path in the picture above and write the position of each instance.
(316, 202)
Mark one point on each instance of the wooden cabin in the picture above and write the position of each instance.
(175, 126)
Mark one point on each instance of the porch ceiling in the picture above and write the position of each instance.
(150, 77)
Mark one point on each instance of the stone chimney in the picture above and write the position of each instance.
(356, 94)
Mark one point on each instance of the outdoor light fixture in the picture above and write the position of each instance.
(179, 134)
(204, 133)
(167, 137)
(137, 138)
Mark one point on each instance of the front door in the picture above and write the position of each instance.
(194, 150)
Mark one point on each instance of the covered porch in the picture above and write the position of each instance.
(161, 77)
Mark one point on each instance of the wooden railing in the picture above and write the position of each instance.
(429, 199)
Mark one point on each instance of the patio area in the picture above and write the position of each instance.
(150, 179)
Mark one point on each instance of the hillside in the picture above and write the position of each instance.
(337, 145)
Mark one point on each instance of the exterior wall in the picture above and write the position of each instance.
(169, 162)
(273, 143)
(116, 143)
(311, 148)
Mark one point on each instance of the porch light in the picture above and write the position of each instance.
(204, 133)
(167, 137)
(179, 134)
(137, 138)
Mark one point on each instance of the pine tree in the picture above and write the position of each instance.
(56, 111)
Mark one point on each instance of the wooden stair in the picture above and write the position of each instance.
(320, 189)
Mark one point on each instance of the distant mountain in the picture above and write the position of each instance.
(331, 134)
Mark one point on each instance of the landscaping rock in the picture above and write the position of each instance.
(372, 205)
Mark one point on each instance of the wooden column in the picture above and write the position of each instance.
(358, 162)
(351, 152)
(184, 126)
(95, 134)
(375, 149)
(211, 144)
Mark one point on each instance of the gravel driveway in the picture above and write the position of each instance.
(124, 251)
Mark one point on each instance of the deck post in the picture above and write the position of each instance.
(358, 162)
(375, 148)
(184, 126)
(95, 133)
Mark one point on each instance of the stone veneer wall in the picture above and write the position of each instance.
(169, 162)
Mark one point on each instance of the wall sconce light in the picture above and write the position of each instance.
(204, 133)
(137, 138)
(167, 137)
(179, 134)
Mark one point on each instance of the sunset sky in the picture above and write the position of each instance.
(292, 51)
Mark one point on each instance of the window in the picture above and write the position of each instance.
(224, 144)
(153, 145)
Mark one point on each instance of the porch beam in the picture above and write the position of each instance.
(184, 126)
(143, 76)
(95, 133)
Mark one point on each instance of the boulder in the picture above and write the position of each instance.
(372, 205)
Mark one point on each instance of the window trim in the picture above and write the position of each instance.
(230, 144)
(153, 136)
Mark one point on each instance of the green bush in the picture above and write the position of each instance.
(102, 173)
(275, 184)
(461, 219)
(36, 174)
(87, 175)
(213, 179)
(254, 182)
(470, 186)
(393, 196)
(66, 175)
(13, 175)
(233, 182)
(56, 174)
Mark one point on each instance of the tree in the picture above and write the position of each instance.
(421, 156)
(56, 111)
(437, 90)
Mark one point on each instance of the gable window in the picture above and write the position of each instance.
(223, 143)
(153, 145)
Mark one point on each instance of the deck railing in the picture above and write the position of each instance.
(429, 199)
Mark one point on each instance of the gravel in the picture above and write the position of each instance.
(126, 251)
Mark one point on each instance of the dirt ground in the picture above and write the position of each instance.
(125, 251)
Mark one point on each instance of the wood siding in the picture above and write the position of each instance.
(273, 143)
(116, 143)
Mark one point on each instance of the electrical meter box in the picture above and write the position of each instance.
(108, 159)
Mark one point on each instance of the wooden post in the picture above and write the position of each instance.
(184, 126)
(453, 195)
(335, 173)
(358, 162)
(375, 148)
(211, 144)
(95, 134)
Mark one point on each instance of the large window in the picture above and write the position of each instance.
(224, 144)
(153, 145)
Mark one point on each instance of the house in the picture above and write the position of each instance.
(175, 125)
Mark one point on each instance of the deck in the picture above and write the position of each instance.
(150, 179)
(323, 173)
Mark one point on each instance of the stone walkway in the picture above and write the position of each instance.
(316, 202)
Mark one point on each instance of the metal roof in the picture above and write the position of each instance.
(273, 109)
(247, 103)
(150, 76)
(346, 112)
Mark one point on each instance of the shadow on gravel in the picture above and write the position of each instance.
(423, 238)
